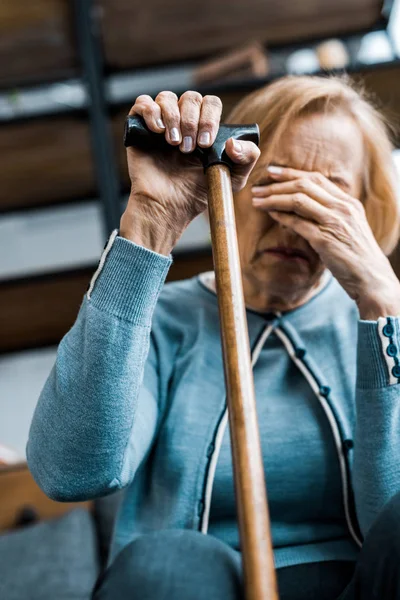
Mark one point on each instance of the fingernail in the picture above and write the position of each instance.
(257, 200)
(204, 138)
(187, 143)
(274, 170)
(237, 145)
(174, 134)
(160, 123)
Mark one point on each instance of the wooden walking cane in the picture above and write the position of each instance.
(250, 487)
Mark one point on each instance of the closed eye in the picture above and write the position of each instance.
(342, 183)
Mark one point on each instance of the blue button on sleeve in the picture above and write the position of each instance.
(378, 352)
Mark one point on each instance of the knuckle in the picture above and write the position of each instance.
(191, 96)
(143, 99)
(189, 124)
(213, 101)
(147, 111)
(317, 177)
(303, 185)
(166, 96)
(298, 200)
(347, 209)
(254, 152)
(357, 205)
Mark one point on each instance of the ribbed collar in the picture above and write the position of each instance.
(207, 279)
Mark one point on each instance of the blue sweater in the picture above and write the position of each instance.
(136, 400)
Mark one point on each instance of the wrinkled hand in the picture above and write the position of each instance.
(169, 188)
(335, 225)
(172, 182)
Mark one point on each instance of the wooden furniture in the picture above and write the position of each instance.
(160, 32)
(45, 161)
(38, 311)
(249, 61)
(36, 41)
(19, 491)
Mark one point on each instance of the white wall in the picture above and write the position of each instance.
(22, 376)
(65, 237)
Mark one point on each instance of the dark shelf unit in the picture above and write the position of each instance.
(97, 109)
(94, 78)
(27, 304)
(103, 152)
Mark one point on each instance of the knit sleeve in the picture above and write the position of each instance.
(378, 353)
(376, 466)
(99, 408)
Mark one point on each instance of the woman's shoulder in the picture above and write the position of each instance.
(191, 290)
(186, 300)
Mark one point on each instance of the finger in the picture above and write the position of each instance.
(189, 106)
(285, 173)
(298, 203)
(295, 186)
(306, 229)
(168, 103)
(210, 116)
(150, 111)
(244, 155)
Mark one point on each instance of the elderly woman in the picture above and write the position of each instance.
(136, 398)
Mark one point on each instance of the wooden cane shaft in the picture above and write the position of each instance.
(250, 488)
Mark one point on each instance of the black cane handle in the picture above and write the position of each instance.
(137, 134)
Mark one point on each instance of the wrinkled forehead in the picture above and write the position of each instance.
(329, 143)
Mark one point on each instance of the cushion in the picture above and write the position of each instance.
(54, 559)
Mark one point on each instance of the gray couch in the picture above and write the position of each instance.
(57, 559)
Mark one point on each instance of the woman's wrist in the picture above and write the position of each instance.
(381, 302)
(145, 228)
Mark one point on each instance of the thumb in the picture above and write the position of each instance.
(244, 155)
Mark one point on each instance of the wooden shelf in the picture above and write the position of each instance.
(38, 311)
(49, 160)
(158, 32)
(36, 41)
(46, 161)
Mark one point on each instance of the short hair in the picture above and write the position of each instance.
(278, 104)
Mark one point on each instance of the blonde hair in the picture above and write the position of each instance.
(277, 105)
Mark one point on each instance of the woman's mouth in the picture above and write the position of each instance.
(285, 253)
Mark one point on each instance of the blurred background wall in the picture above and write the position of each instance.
(69, 72)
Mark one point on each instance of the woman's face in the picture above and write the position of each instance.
(329, 144)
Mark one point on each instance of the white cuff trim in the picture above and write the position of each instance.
(385, 341)
(106, 250)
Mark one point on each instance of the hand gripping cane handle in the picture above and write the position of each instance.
(137, 134)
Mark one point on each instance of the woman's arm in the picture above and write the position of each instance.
(98, 410)
(335, 225)
(376, 466)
